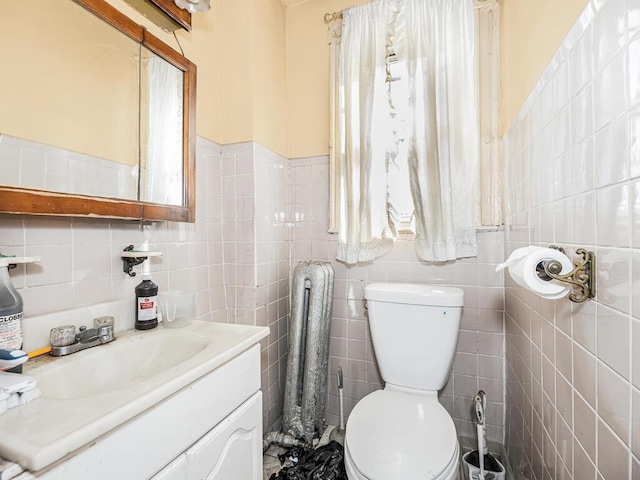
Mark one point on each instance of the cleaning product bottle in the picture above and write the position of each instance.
(11, 308)
(146, 304)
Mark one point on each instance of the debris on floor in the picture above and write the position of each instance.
(323, 463)
(271, 462)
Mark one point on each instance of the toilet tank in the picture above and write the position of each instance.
(414, 328)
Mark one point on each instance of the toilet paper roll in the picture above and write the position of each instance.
(522, 265)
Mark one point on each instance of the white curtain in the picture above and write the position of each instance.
(435, 40)
(443, 144)
(364, 231)
(163, 175)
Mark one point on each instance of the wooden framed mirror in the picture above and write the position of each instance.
(61, 154)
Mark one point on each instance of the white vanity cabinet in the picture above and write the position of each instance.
(176, 470)
(210, 429)
(231, 450)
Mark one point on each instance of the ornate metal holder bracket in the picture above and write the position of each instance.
(129, 262)
(131, 258)
(582, 277)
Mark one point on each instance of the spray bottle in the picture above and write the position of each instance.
(11, 308)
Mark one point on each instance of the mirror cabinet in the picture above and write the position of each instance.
(97, 117)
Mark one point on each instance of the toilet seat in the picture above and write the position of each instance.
(393, 435)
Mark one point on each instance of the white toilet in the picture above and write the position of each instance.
(403, 432)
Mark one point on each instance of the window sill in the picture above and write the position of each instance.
(408, 233)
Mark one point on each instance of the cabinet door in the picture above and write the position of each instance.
(233, 449)
(176, 470)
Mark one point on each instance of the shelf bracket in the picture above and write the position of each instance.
(129, 262)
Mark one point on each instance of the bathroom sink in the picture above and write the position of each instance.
(89, 393)
(115, 366)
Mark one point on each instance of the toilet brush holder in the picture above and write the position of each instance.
(472, 472)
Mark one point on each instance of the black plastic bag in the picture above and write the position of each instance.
(323, 463)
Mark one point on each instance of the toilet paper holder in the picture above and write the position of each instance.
(583, 276)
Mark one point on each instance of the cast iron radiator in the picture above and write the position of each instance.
(305, 395)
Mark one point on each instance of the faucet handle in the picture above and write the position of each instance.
(106, 333)
(63, 335)
(105, 321)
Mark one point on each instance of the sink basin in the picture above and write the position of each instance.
(117, 365)
(89, 393)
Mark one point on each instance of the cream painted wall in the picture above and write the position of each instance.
(53, 48)
(308, 75)
(263, 69)
(239, 48)
(236, 69)
(201, 45)
(531, 33)
(253, 69)
(270, 75)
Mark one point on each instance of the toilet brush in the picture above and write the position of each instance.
(481, 458)
(480, 404)
(341, 398)
(338, 433)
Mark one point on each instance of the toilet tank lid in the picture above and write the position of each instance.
(415, 294)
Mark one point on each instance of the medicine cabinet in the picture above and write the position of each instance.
(97, 117)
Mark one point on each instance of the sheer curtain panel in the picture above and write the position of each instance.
(364, 115)
(162, 175)
(443, 150)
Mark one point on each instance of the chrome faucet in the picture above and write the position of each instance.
(85, 338)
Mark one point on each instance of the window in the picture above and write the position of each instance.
(400, 199)
(489, 213)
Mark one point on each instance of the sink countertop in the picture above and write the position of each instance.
(39, 433)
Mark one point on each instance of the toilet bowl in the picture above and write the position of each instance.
(403, 432)
(398, 435)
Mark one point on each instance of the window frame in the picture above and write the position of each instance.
(490, 205)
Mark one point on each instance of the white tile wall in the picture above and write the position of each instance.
(256, 257)
(479, 361)
(35, 165)
(257, 215)
(81, 262)
(572, 179)
(235, 256)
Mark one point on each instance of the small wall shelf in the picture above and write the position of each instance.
(12, 262)
(131, 258)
